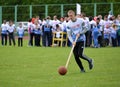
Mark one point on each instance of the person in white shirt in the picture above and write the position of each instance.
(31, 32)
(20, 32)
(76, 28)
(107, 31)
(11, 29)
(87, 34)
(55, 21)
(4, 33)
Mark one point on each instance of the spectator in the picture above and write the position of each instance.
(37, 32)
(47, 32)
(20, 32)
(113, 35)
(4, 27)
(11, 29)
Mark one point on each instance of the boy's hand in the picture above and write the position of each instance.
(74, 43)
(77, 35)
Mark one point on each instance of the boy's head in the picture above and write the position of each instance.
(71, 14)
(20, 24)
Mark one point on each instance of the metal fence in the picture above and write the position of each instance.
(24, 12)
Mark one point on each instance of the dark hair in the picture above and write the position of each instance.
(57, 25)
(90, 18)
(98, 19)
(30, 20)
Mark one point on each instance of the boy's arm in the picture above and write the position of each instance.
(84, 28)
(69, 33)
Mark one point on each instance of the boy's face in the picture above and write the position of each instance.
(10, 23)
(71, 15)
(20, 24)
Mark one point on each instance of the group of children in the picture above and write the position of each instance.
(106, 32)
(8, 29)
(101, 32)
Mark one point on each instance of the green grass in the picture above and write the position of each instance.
(37, 67)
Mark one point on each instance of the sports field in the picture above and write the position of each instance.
(37, 67)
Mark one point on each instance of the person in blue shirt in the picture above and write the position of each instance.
(95, 36)
(37, 32)
(47, 32)
(76, 29)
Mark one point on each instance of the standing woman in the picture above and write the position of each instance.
(76, 29)
(4, 33)
(11, 29)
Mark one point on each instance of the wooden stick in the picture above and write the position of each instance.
(70, 54)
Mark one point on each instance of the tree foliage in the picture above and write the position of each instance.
(23, 9)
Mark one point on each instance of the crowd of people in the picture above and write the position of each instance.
(102, 31)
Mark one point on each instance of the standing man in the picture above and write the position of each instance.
(76, 28)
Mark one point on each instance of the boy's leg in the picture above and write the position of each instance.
(2, 39)
(5, 39)
(9, 39)
(18, 41)
(21, 42)
(76, 55)
(81, 55)
(13, 39)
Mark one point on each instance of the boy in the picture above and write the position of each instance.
(4, 27)
(76, 28)
(20, 32)
(11, 29)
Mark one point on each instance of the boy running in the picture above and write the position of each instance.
(76, 28)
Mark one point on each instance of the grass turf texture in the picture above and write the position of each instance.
(37, 67)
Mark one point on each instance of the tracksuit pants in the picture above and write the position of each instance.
(78, 53)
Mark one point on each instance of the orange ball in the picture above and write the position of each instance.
(62, 70)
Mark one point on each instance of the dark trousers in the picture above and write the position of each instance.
(47, 38)
(31, 39)
(100, 41)
(37, 39)
(20, 42)
(114, 42)
(78, 53)
(4, 39)
(106, 41)
(11, 39)
(118, 40)
(88, 35)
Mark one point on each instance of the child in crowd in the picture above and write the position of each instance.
(4, 33)
(37, 32)
(58, 31)
(20, 32)
(113, 35)
(11, 29)
(107, 31)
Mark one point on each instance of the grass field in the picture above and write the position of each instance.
(37, 67)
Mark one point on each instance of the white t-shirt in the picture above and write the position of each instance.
(20, 30)
(54, 23)
(11, 28)
(4, 26)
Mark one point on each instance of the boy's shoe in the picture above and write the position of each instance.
(90, 64)
(82, 71)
